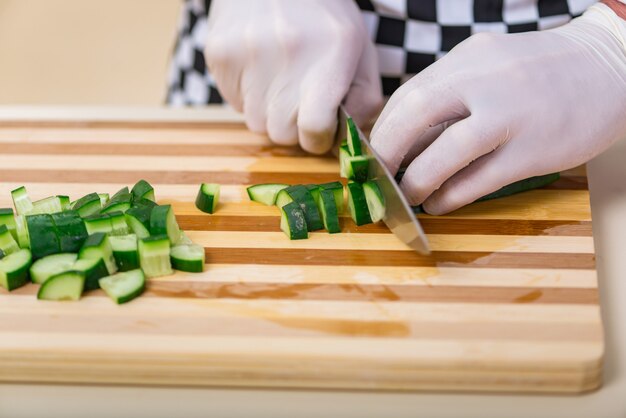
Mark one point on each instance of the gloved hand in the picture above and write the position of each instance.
(501, 108)
(288, 65)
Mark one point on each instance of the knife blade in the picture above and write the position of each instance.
(399, 216)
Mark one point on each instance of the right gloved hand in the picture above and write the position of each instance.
(288, 65)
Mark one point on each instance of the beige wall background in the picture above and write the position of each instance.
(98, 52)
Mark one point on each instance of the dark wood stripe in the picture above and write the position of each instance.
(80, 148)
(376, 293)
(440, 225)
(474, 259)
(163, 177)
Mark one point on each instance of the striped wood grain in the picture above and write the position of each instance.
(507, 301)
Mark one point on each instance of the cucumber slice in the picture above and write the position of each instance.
(357, 168)
(154, 256)
(118, 223)
(344, 154)
(357, 204)
(120, 202)
(375, 200)
(93, 269)
(522, 186)
(98, 246)
(293, 221)
(138, 219)
(70, 230)
(143, 190)
(337, 189)
(188, 257)
(141, 203)
(282, 198)
(50, 204)
(163, 222)
(14, 269)
(68, 285)
(104, 198)
(124, 287)
(22, 231)
(265, 193)
(125, 251)
(183, 239)
(354, 141)
(314, 189)
(43, 236)
(208, 196)
(98, 223)
(21, 201)
(87, 205)
(8, 245)
(7, 219)
(51, 265)
(121, 193)
(65, 202)
(328, 209)
(303, 197)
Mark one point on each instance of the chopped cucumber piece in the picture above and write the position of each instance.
(104, 198)
(51, 265)
(188, 257)
(163, 222)
(8, 245)
(375, 200)
(357, 168)
(121, 193)
(70, 230)
(124, 287)
(328, 209)
(50, 204)
(21, 201)
(357, 204)
(208, 196)
(354, 141)
(303, 197)
(183, 239)
(68, 285)
(14, 269)
(65, 202)
(121, 201)
(7, 219)
(22, 231)
(125, 251)
(98, 246)
(2, 254)
(43, 237)
(282, 198)
(337, 189)
(293, 221)
(314, 189)
(98, 223)
(265, 193)
(87, 205)
(138, 218)
(93, 269)
(344, 154)
(522, 186)
(154, 256)
(143, 190)
(141, 203)
(118, 223)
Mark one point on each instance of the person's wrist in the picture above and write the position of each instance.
(617, 6)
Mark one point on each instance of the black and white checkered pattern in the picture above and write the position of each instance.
(409, 36)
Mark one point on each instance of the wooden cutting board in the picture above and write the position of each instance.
(507, 301)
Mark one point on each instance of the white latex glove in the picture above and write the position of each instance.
(515, 106)
(288, 65)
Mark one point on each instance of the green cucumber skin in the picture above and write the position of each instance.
(275, 188)
(123, 192)
(359, 167)
(354, 142)
(356, 193)
(132, 295)
(296, 219)
(7, 217)
(41, 294)
(204, 202)
(19, 277)
(43, 238)
(190, 266)
(314, 189)
(330, 211)
(87, 205)
(159, 222)
(93, 275)
(337, 188)
(301, 195)
(143, 190)
(126, 260)
(138, 219)
(70, 230)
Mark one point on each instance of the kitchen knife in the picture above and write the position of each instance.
(399, 216)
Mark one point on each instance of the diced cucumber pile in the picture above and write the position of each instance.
(103, 241)
(306, 208)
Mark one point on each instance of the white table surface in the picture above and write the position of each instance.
(607, 175)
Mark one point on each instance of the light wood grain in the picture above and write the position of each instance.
(506, 302)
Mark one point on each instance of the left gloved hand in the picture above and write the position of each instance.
(501, 108)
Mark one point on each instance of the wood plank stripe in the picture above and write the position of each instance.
(388, 242)
(441, 225)
(471, 259)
